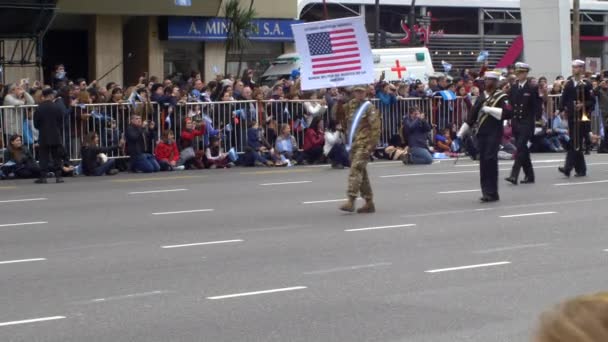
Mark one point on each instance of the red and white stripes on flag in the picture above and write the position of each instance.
(334, 51)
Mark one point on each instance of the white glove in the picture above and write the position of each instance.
(464, 129)
(495, 112)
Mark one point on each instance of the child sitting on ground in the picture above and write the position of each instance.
(166, 152)
(444, 141)
(215, 157)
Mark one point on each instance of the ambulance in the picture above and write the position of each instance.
(399, 64)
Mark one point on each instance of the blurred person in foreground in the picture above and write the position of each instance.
(580, 319)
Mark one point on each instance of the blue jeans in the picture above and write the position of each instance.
(104, 168)
(145, 163)
(420, 156)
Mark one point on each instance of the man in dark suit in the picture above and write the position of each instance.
(48, 120)
(527, 109)
(488, 113)
(577, 98)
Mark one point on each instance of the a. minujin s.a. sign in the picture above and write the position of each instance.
(215, 29)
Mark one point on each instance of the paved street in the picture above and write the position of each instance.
(264, 255)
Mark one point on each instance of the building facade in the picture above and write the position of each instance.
(159, 38)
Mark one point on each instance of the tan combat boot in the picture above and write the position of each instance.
(349, 206)
(368, 208)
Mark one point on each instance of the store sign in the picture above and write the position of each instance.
(215, 29)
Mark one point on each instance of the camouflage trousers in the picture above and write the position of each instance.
(358, 180)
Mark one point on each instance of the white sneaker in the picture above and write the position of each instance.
(180, 168)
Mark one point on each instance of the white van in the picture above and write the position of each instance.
(397, 64)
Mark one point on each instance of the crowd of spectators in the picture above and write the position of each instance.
(180, 123)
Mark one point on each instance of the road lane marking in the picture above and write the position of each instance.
(457, 191)
(510, 248)
(348, 268)
(155, 191)
(33, 320)
(22, 224)
(202, 243)
(244, 294)
(468, 267)
(325, 201)
(529, 214)
(184, 212)
(20, 261)
(151, 179)
(381, 227)
(468, 171)
(7, 187)
(277, 172)
(511, 163)
(286, 183)
(428, 174)
(24, 200)
(128, 296)
(581, 183)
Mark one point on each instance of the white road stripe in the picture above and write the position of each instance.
(133, 295)
(22, 224)
(349, 268)
(184, 212)
(325, 201)
(24, 200)
(530, 214)
(20, 261)
(286, 183)
(258, 292)
(469, 171)
(155, 191)
(202, 243)
(458, 191)
(34, 320)
(382, 227)
(511, 163)
(510, 248)
(581, 183)
(468, 267)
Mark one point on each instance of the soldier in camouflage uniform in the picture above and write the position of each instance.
(364, 142)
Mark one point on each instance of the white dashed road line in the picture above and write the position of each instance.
(21, 261)
(348, 268)
(510, 248)
(22, 224)
(24, 200)
(458, 191)
(33, 320)
(459, 268)
(381, 227)
(184, 212)
(286, 183)
(529, 214)
(581, 183)
(155, 191)
(202, 244)
(244, 294)
(325, 201)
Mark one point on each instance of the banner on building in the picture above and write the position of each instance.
(334, 53)
(593, 65)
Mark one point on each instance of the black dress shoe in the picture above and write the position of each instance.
(59, 180)
(512, 180)
(488, 199)
(527, 181)
(40, 181)
(563, 170)
(580, 175)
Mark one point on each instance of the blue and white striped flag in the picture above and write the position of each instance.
(483, 56)
(447, 95)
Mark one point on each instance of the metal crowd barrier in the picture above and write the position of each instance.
(230, 121)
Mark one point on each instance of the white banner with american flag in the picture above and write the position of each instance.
(334, 53)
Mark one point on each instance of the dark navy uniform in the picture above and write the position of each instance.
(578, 130)
(489, 137)
(527, 109)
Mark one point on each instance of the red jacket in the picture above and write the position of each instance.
(187, 137)
(167, 152)
(313, 138)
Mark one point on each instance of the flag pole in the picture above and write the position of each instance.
(325, 14)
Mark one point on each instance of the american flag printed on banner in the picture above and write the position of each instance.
(334, 51)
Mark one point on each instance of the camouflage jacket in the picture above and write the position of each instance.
(368, 131)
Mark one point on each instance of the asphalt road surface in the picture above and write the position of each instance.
(264, 255)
